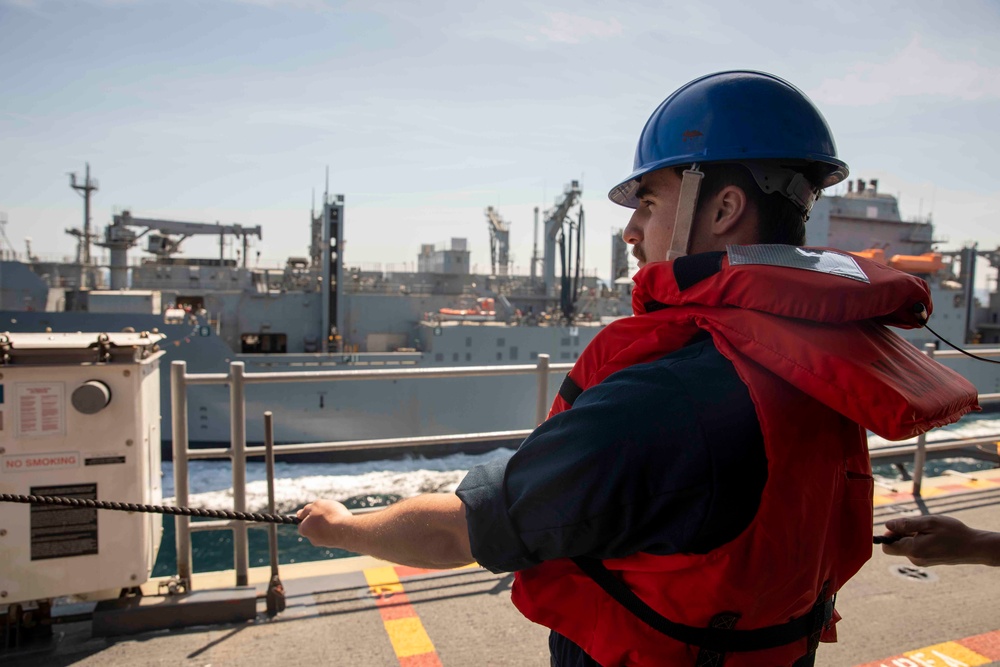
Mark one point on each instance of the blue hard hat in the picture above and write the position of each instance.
(739, 116)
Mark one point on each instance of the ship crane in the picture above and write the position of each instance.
(120, 236)
(499, 243)
(562, 230)
(555, 219)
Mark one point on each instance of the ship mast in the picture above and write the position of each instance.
(84, 189)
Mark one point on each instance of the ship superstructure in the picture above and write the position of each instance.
(324, 311)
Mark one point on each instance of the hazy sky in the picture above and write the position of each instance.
(427, 112)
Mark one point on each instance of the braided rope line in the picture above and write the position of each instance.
(151, 509)
(215, 514)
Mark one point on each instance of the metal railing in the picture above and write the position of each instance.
(921, 448)
(237, 380)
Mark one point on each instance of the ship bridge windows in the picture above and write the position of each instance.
(264, 343)
(192, 304)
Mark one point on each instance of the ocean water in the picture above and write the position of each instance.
(374, 483)
(364, 484)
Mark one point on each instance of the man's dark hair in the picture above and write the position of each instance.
(780, 220)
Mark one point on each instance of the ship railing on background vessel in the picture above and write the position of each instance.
(921, 448)
(239, 452)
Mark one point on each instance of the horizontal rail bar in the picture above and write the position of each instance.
(379, 374)
(391, 374)
(224, 524)
(941, 446)
(221, 524)
(955, 354)
(207, 378)
(354, 445)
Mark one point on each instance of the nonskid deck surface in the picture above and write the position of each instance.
(362, 612)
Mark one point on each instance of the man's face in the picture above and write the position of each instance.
(652, 224)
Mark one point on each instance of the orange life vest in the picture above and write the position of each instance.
(821, 368)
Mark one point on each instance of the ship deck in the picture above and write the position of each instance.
(363, 612)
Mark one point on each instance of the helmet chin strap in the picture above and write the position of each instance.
(687, 202)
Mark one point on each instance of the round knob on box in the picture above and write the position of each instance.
(91, 397)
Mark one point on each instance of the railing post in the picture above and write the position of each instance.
(272, 528)
(179, 436)
(920, 456)
(542, 407)
(238, 435)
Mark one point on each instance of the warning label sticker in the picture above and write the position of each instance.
(60, 532)
(44, 461)
(40, 409)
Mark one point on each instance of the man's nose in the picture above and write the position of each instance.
(632, 233)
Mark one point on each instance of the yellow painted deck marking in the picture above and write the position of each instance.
(383, 580)
(405, 629)
(408, 637)
(880, 499)
(948, 654)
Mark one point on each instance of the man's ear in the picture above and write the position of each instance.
(729, 210)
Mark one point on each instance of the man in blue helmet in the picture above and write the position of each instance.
(701, 488)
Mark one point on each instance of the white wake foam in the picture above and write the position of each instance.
(296, 484)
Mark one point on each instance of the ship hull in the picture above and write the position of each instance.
(342, 410)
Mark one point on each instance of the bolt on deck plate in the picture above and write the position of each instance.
(913, 573)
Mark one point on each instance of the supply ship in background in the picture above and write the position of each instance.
(321, 312)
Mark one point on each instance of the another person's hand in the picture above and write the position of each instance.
(319, 522)
(941, 540)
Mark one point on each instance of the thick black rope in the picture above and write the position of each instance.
(215, 514)
(151, 509)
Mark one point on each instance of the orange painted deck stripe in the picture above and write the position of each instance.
(929, 492)
(987, 644)
(409, 639)
(969, 652)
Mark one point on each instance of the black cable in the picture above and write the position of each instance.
(921, 312)
(150, 509)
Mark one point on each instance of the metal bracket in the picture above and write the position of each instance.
(173, 586)
(103, 348)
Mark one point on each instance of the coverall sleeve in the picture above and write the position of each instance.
(634, 466)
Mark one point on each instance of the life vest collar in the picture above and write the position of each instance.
(766, 280)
